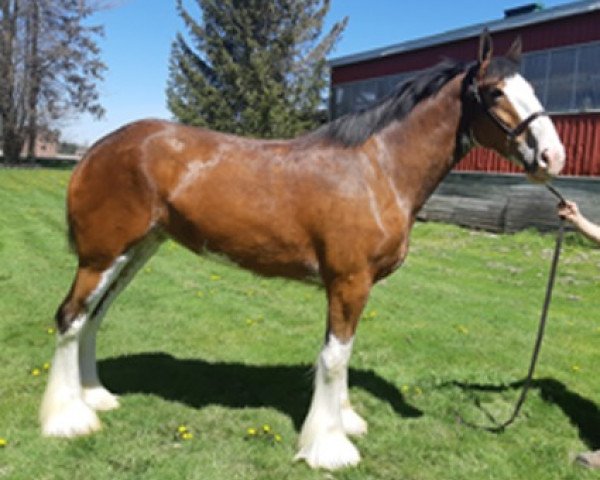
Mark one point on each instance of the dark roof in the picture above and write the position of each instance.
(508, 23)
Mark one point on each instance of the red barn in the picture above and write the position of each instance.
(561, 59)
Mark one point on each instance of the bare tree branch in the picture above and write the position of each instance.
(50, 65)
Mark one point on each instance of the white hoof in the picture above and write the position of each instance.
(100, 399)
(331, 450)
(68, 419)
(352, 422)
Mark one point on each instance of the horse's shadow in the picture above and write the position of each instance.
(199, 383)
(288, 388)
(582, 412)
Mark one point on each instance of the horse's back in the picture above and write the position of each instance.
(203, 188)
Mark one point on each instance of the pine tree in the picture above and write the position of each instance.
(251, 67)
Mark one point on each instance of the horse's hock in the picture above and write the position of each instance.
(506, 203)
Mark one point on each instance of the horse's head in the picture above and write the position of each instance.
(509, 118)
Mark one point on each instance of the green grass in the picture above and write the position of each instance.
(215, 348)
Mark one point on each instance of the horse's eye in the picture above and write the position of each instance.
(496, 93)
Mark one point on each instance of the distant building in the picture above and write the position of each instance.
(48, 148)
(46, 145)
(561, 60)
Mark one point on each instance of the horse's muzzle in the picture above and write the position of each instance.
(550, 163)
(553, 160)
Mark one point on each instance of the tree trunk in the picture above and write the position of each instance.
(33, 77)
(13, 144)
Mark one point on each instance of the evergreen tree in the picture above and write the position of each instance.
(252, 67)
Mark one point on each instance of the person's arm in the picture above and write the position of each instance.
(570, 212)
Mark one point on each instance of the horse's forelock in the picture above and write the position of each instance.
(502, 67)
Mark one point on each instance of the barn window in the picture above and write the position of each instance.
(587, 95)
(351, 97)
(535, 69)
(561, 80)
(365, 94)
(565, 80)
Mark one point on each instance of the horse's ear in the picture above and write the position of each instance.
(514, 52)
(485, 52)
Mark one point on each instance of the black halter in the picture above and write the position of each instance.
(511, 133)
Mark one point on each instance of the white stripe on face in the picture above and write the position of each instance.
(521, 96)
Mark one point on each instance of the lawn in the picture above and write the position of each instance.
(203, 344)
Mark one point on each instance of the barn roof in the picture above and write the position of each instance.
(507, 23)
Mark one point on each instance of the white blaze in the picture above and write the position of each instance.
(522, 97)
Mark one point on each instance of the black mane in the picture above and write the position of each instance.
(355, 128)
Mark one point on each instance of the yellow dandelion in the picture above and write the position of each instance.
(278, 438)
(36, 372)
(462, 329)
(3, 442)
(251, 432)
(266, 428)
(576, 368)
(50, 331)
(214, 278)
(404, 388)
(200, 293)
(418, 391)
(46, 366)
(182, 429)
(187, 436)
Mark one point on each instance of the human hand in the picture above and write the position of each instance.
(568, 210)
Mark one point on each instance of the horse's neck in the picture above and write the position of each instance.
(422, 148)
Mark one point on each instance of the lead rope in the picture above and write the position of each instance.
(540, 333)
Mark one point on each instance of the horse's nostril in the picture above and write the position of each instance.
(552, 161)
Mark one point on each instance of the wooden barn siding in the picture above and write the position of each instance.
(507, 202)
(555, 33)
(580, 135)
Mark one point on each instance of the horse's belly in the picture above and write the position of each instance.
(266, 241)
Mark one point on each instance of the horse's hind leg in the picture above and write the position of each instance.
(73, 377)
(94, 393)
(63, 412)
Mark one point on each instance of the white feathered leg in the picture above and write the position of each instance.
(352, 422)
(63, 412)
(93, 392)
(124, 269)
(74, 390)
(323, 442)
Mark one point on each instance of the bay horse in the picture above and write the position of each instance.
(338, 202)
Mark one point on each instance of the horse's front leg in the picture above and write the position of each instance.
(323, 441)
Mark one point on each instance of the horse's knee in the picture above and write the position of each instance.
(335, 357)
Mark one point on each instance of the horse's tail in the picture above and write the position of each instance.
(70, 236)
